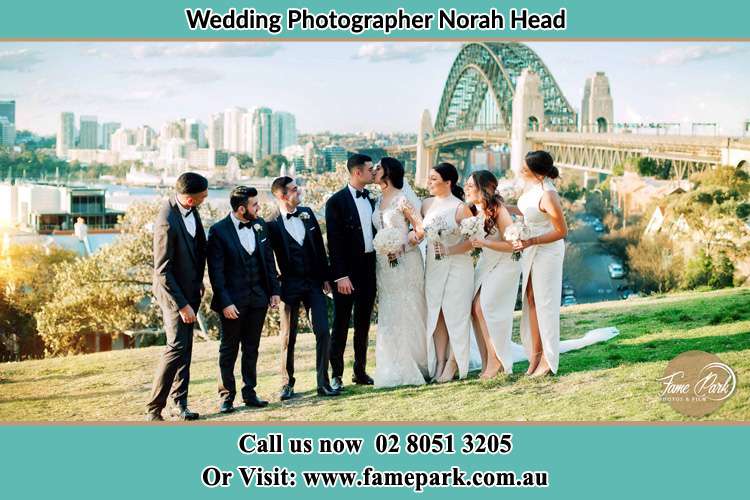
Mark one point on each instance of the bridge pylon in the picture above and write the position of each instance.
(528, 113)
(425, 155)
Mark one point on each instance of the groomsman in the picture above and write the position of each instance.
(244, 281)
(179, 266)
(350, 235)
(302, 261)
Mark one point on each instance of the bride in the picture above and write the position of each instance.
(400, 345)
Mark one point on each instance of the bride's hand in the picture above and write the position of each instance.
(521, 244)
(478, 243)
(414, 238)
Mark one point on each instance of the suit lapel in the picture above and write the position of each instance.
(284, 235)
(185, 233)
(235, 237)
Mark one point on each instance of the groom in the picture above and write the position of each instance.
(350, 235)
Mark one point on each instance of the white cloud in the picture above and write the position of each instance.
(412, 52)
(19, 60)
(205, 49)
(181, 75)
(96, 52)
(681, 55)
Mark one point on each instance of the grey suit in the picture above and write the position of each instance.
(179, 266)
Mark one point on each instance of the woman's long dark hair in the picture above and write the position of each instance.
(449, 173)
(486, 183)
(393, 171)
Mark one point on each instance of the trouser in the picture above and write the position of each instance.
(361, 300)
(315, 304)
(244, 331)
(173, 371)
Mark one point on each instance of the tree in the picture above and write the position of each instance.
(270, 166)
(654, 265)
(698, 271)
(571, 192)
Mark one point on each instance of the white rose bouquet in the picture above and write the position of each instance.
(389, 241)
(433, 231)
(471, 229)
(516, 232)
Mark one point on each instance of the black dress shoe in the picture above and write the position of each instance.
(226, 407)
(327, 391)
(337, 384)
(287, 392)
(184, 413)
(255, 402)
(363, 380)
(154, 417)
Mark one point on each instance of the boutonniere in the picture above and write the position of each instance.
(371, 196)
(304, 216)
(258, 228)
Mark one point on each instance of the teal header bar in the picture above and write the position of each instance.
(581, 462)
(582, 19)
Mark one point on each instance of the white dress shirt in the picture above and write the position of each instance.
(364, 208)
(246, 234)
(189, 220)
(294, 225)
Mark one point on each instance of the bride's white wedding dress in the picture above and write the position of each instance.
(400, 344)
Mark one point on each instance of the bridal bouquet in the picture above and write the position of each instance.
(389, 241)
(434, 230)
(516, 232)
(471, 229)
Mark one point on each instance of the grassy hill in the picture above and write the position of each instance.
(616, 380)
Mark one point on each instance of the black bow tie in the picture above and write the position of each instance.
(191, 211)
(247, 225)
(295, 214)
(362, 194)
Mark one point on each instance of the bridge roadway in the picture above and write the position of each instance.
(599, 152)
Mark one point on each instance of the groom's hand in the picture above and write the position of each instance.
(327, 287)
(187, 314)
(275, 301)
(231, 312)
(344, 286)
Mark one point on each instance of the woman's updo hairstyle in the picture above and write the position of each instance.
(541, 163)
(393, 171)
(449, 173)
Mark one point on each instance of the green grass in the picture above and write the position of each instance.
(616, 380)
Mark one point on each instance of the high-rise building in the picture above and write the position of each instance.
(216, 131)
(261, 134)
(173, 130)
(145, 138)
(108, 129)
(88, 133)
(196, 131)
(333, 156)
(283, 131)
(7, 133)
(234, 130)
(66, 132)
(8, 110)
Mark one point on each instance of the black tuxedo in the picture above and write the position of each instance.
(179, 267)
(346, 248)
(304, 268)
(246, 281)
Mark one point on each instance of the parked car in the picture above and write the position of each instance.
(616, 271)
(569, 301)
(630, 294)
(598, 227)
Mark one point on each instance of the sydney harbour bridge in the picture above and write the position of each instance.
(502, 94)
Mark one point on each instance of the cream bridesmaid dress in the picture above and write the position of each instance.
(497, 277)
(449, 287)
(544, 264)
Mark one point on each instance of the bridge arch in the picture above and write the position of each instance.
(602, 125)
(482, 80)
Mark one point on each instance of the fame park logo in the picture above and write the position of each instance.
(697, 383)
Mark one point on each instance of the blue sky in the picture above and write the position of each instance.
(352, 86)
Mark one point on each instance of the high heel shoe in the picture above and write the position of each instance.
(534, 362)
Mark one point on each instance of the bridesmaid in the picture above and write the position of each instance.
(448, 278)
(542, 263)
(496, 277)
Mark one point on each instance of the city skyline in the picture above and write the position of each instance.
(351, 87)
